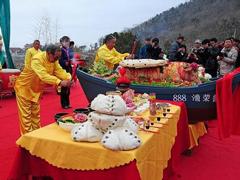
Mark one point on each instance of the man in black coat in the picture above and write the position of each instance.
(154, 51)
(211, 64)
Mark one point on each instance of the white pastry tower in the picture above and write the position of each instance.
(109, 125)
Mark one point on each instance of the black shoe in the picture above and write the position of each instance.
(65, 107)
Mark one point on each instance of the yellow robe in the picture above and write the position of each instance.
(29, 86)
(29, 54)
(111, 57)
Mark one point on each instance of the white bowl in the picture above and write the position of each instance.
(67, 126)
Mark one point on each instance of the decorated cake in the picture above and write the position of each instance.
(109, 125)
(150, 72)
(164, 73)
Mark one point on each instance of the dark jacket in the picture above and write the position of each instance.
(154, 53)
(211, 63)
(203, 55)
(180, 56)
(64, 59)
(237, 64)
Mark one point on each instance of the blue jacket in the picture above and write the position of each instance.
(71, 53)
(143, 52)
(173, 50)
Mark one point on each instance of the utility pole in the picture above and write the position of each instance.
(235, 33)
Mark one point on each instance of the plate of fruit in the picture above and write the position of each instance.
(69, 121)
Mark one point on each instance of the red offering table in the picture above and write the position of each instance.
(8, 78)
(26, 164)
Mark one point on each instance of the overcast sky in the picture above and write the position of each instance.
(84, 21)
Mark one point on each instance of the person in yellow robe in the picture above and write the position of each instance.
(109, 54)
(31, 52)
(44, 69)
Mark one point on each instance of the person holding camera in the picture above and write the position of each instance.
(211, 65)
(154, 51)
(203, 52)
(193, 55)
(227, 58)
(174, 48)
(197, 46)
(182, 55)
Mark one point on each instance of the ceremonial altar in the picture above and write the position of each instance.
(49, 151)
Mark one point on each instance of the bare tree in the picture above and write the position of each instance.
(46, 30)
(56, 32)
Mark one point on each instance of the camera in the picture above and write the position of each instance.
(200, 50)
(222, 54)
(192, 55)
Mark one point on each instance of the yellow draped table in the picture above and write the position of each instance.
(55, 146)
(195, 132)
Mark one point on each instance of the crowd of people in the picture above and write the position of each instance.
(217, 57)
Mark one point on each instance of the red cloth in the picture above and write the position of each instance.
(182, 142)
(228, 106)
(74, 75)
(122, 79)
(26, 164)
(76, 64)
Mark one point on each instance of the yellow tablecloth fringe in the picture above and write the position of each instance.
(195, 132)
(55, 146)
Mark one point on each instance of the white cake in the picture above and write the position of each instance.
(112, 105)
(142, 63)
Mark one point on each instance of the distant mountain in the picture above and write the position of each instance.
(196, 19)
